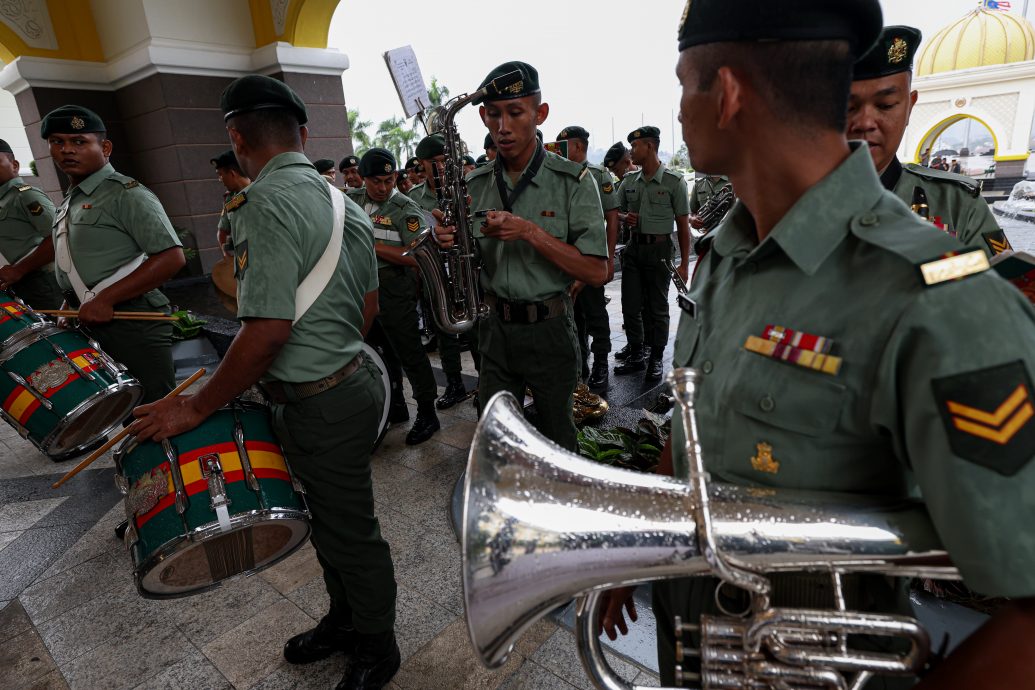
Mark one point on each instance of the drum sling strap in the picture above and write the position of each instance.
(63, 258)
(313, 285)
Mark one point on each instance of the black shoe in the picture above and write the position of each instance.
(654, 365)
(398, 413)
(455, 393)
(120, 530)
(374, 663)
(623, 354)
(598, 378)
(424, 425)
(636, 361)
(328, 637)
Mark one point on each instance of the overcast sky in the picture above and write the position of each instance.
(602, 63)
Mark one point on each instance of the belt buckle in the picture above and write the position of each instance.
(506, 311)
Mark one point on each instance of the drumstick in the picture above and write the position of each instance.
(118, 315)
(122, 434)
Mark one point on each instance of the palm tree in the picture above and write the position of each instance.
(392, 135)
(358, 128)
(438, 93)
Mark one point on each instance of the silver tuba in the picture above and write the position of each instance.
(452, 274)
(542, 525)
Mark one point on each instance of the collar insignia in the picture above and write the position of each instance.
(763, 460)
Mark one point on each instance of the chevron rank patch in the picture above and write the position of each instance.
(35, 208)
(989, 416)
(240, 259)
(608, 187)
(997, 242)
(412, 223)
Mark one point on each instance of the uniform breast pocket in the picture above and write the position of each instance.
(686, 341)
(555, 223)
(785, 396)
(632, 198)
(85, 216)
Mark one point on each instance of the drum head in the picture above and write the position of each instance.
(93, 419)
(209, 556)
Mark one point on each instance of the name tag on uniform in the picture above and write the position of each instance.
(687, 305)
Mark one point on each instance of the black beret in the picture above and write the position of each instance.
(323, 165)
(431, 146)
(469, 160)
(573, 132)
(258, 92)
(481, 160)
(226, 159)
(526, 85)
(348, 162)
(716, 21)
(413, 162)
(5, 147)
(400, 175)
(893, 53)
(647, 132)
(489, 143)
(376, 162)
(71, 119)
(615, 153)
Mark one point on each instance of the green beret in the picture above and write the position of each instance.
(5, 147)
(614, 154)
(226, 159)
(717, 21)
(348, 162)
(489, 143)
(258, 92)
(481, 160)
(469, 160)
(527, 85)
(573, 132)
(376, 162)
(892, 54)
(71, 119)
(412, 163)
(647, 132)
(431, 146)
(323, 165)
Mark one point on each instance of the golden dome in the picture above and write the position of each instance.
(980, 39)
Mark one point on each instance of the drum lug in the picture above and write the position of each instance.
(246, 462)
(131, 537)
(60, 352)
(22, 431)
(212, 470)
(121, 483)
(17, 378)
(114, 368)
(182, 502)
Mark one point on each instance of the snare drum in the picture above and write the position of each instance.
(60, 391)
(209, 504)
(17, 321)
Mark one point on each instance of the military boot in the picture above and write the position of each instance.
(598, 378)
(623, 354)
(398, 412)
(654, 368)
(635, 361)
(373, 664)
(424, 425)
(455, 393)
(332, 634)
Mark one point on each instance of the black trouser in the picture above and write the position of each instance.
(144, 347)
(397, 295)
(591, 320)
(645, 283)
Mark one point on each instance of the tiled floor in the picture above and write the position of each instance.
(70, 616)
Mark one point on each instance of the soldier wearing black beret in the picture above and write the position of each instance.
(879, 107)
(26, 245)
(414, 170)
(481, 160)
(619, 161)
(305, 350)
(229, 172)
(896, 413)
(490, 148)
(325, 166)
(403, 182)
(349, 169)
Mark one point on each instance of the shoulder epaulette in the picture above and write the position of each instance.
(563, 165)
(673, 173)
(25, 188)
(131, 184)
(969, 185)
(401, 200)
(236, 201)
(478, 172)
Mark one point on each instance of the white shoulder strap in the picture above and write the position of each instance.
(313, 285)
(63, 257)
(3, 260)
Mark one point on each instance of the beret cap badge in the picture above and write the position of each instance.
(77, 122)
(686, 13)
(898, 50)
(388, 167)
(516, 87)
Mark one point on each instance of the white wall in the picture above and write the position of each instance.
(120, 25)
(220, 22)
(12, 131)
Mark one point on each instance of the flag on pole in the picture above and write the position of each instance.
(997, 5)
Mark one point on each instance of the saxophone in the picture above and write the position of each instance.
(716, 208)
(452, 275)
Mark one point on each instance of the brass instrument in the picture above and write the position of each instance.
(451, 275)
(716, 208)
(681, 287)
(542, 525)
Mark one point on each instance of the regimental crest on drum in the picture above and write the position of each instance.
(50, 375)
(147, 491)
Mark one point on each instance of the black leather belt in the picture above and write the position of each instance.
(510, 311)
(644, 238)
(282, 392)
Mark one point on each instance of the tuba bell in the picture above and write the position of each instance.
(542, 526)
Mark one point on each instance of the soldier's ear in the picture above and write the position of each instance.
(912, 101)
(542, 111)
(303, 134)
(728, 89)
(106, 147)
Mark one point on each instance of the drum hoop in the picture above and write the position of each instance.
(14, 345)
(81, 408)
(211, 530)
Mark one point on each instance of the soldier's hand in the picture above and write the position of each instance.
(505, 226)
(9, 275)
(575, 289)
(684, 271)
(610, 269)
(165, 418)
(695, 222)
(611, 616)
(95, 311)
(444, 234)
(632, 219)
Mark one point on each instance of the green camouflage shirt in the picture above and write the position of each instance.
(26, 218)
(658, 201)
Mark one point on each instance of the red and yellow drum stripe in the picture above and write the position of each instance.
(21, 404)
(267, 460)
(10, 310)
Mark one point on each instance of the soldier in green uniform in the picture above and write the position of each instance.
(325, 166)
(234, 180)
(431, 152)
(619, 161)
(397, 222)
(654, 201)
(349, 169)
(543, 230)
(705, 188)
(877, 417)
(403, 182)
(878, 112)
(490, 147)
(414, 170)
(114, 246)
(591, 317)
(304, 347)
(481, 160)
(26, 245)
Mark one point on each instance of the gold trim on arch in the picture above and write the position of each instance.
(306, 25)
(74, 29)
(949, 122)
